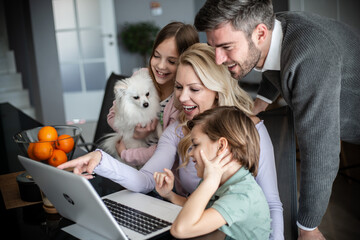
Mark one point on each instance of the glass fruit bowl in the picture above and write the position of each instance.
(41, 143)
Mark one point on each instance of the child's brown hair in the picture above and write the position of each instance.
(239, 130)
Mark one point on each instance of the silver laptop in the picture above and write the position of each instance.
(75, 198)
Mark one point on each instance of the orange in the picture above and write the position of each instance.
(58, 157)
(43, 150)
(30, 151)
(47, 133)
(65, 142)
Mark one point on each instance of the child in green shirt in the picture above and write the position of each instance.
(228, 197)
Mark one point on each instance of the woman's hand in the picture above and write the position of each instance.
(84, 165)
(142, 132)
(164, 183)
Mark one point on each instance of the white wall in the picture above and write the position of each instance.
(139, 10)
(50, 90)
(47, 63)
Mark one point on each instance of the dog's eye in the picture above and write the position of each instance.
(136, 97)
(147, 94)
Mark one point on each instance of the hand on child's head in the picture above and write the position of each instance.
(212, 170)
(217, 166)
(224, 153)
(220, 156)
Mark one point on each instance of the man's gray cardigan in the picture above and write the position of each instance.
(320, 81)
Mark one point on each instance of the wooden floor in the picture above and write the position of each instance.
(342, 218)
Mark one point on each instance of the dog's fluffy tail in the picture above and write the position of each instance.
(108, 145)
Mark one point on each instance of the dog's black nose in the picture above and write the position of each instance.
(145, 105)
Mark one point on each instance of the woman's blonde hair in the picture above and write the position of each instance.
(239, 130)
(201, 57)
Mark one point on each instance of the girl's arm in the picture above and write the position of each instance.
(176, 199)
(194, 220)
(136, 156)
(164, 185)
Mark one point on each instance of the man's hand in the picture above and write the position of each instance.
(142, 132)
(310, 235)
(259, 106)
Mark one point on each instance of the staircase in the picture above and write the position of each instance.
(11, 88)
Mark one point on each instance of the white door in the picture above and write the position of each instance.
(88, 53)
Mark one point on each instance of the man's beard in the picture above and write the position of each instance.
(248, 64)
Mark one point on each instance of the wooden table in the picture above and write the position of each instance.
(10, 191)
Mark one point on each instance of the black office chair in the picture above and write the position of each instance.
(102, 127)
(280, 125)
(349, 161)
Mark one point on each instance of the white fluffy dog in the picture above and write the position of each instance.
(136, 101)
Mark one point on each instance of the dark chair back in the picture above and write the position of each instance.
(102, 127)
(280, 125)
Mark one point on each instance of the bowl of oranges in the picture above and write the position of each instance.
(52, 144)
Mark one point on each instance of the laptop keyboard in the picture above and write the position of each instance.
(133, 219)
